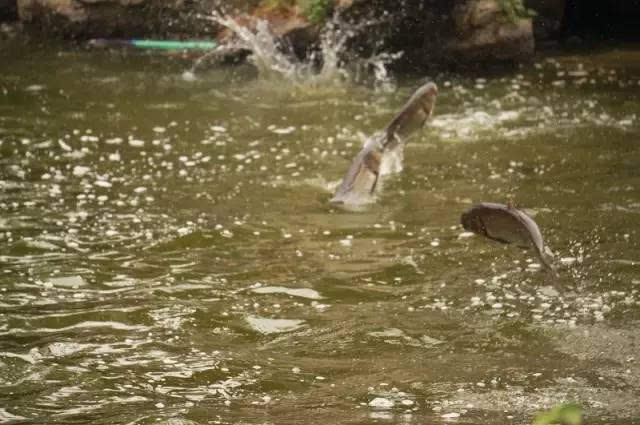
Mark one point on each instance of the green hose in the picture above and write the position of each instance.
(174, 44)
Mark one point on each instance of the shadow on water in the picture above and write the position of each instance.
(168, 253)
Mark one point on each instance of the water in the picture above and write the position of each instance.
(328, 64)
(168, 253)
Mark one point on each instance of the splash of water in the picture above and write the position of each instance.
(266, 55)
(274, 58)
(378, 63)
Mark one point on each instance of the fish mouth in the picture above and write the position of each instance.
(472, 223)
(427, 106)
(465, 220)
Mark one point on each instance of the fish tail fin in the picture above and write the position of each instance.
(548, 265)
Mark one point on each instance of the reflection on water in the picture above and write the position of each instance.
(168, 253)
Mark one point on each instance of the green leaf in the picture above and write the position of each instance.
(317, 11)
(564, 414)
(515, 9)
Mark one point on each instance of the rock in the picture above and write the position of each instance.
(8, 10)
(415, 27)
(547, 23)
(434, 33)
(484, 33)
(285, 23)
(82, 19)
(30, 10)
(470, 16)
(431, 33)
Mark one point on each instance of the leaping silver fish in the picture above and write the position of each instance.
(506, 224)
(364, 172)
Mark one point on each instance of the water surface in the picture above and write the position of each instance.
(168, 253)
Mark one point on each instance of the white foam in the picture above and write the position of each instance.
(381, 403)
(295, 292)
(270, 326)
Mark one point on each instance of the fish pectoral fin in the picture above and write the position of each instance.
(547, 262)
(504, 241)
(549, 266)
(375, 183)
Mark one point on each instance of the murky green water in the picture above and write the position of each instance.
(168, 254)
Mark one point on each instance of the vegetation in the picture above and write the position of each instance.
(564, 414)
(317, 11)
(515, 9)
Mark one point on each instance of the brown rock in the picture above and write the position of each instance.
(117, 18)
(431, 33)
(547, 23)
(473, 15)
(8, 10)
(69, 9)
(285, 23)
(484, 33)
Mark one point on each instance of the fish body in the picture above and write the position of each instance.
(505, 224)
(363, 174)
(413, 115)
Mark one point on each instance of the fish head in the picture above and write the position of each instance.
(413, 115)
(425, 97)
(471, 222)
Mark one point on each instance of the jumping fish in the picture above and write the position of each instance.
(506, 224)
(412, 116)
(364, 172)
